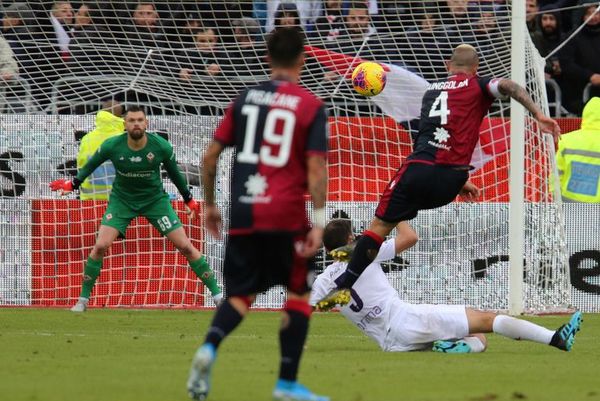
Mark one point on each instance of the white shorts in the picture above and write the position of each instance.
(416, 327)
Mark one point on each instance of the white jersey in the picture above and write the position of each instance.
(377, 310)
(372, 294)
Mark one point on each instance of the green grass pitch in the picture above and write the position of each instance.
(123, 355)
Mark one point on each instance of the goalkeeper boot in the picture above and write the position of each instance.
(81, 305)
(451, 347)
(286, 390)
(343, 253)
(564, 337)
(198, 383)
(337, 296)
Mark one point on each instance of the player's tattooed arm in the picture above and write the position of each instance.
(510, 88)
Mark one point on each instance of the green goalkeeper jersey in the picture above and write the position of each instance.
(138, 180)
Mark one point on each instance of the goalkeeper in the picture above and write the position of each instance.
(377, 310)
(138, 191)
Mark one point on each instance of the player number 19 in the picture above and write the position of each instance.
(440, 108)
(270, 137)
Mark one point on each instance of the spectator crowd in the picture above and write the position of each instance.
(195, 43)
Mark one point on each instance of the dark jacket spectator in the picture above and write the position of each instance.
(580, 62)
(547, 38)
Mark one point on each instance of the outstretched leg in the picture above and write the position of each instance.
(292, 336)
(197, 262)
(227, 317)
(519, 329)
(93, 265)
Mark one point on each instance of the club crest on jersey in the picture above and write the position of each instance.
(441, 136)
(150, 157)
(109, 216)
(135, 159)
(256, 186)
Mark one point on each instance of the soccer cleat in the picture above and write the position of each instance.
(451, 347)
(198, 383)
(343, 253)
(218, 299)
(564, 337)
(337, 296)
(81, 305)
(286, 390)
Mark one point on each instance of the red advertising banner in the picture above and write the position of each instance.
(142, 270)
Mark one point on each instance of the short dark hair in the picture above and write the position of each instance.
(135, 108)
(336, 233)
(284, 47)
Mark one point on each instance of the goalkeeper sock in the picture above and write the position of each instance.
(226, 319)
(294, 328)
(518, 329)
(91, 271)
(364, 253)
(205, 273)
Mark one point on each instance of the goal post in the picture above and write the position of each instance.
(504, 252)
(516, 230)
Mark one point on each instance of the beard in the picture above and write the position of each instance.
(136, 134)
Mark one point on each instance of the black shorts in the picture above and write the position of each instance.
(256, 262)
(418, 186)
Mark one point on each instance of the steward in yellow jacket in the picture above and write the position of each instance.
(98, 185)
(578, 158)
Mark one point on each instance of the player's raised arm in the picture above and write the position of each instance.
(66, 186)
(510, 88)
(209, 172)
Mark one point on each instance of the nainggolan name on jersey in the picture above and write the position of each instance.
(445, 85)
(276, 99)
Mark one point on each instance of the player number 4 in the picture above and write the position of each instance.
(440, 108)
(267, 154)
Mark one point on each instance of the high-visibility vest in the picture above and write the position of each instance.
(98, 185)
(578, 158)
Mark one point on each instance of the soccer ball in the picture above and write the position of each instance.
(368, 78)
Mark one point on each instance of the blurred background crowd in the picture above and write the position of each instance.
(60, 51)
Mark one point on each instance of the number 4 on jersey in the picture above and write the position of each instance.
(440, 108)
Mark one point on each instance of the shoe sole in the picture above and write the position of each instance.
(574, 326)
(341, 298)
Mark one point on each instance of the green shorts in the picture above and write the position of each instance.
(159, 213)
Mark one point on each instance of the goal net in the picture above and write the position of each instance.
(185, 61)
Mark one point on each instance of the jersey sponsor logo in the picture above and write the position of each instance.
(135, 159)
(369, 317)
(441, 135)
(445, 85)
(137, 174)
(150, 157)
(274, 99)
(256, 186)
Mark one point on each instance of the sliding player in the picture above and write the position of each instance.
(377, 310)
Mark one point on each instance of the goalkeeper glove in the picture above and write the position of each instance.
(62, 186)
(192, 208)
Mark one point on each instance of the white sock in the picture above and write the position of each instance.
(518, 329)
(475, 344)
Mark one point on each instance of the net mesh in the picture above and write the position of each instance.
(186, 61)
